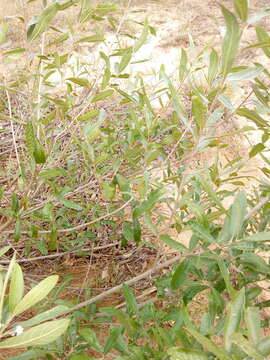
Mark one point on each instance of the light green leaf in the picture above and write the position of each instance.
(179, 275)
(40, 23)
(36, 294)
(91, 114)
(142, 38)
(92, 38)
(237, 214)
(256, 149)
(16, 287)
(213, 67)
(90, 336)
(71, 204)
(239, 340)
(178, 353)
(44, 316)
(255, 263)
(209, 345)
(253, 322)
(264, 346)
(199, 111)
(102, 95)
(183, 65)
(172, 243)
(246, 74)
(52, 173)
(4, 286)
(231, 40)
(79, 81)
(263, 36)
(132, 306)
(261, 236)
(253, 116)
(38, 335)
(4, 250)
(125, 59)
(233, 318)
(241, 8)
(225, 274)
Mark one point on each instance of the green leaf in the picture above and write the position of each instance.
(53, 173)
(179, 275)
(192, 291)
(39, 153)
(60, 39)
(124, 186)
(38, 335)
(102, 95)
(253, 116)
(44, 316)
(4, 286)
(88, 115)
(237, 214)
(261, 236)
(92, 38)
(255, 263)
(183, 65)
(90, 336)
(40, 23)
(71, 204)
(225, 274)
(16, 287)
(209, 345)
(241, 8)
(233, 318)
(231, 40)
(112, 339)
(172, 243)
(139, 43)
(264, 346)
(256, 149)
(213, 67)
(246, 74)
(253, 322)
(36, 294)
(199, 112)
(178, 353)
(125, 59)
(79, 81)
(246, 346)
(263, 36)
(137, 232)
(4, 250)
(132, 306)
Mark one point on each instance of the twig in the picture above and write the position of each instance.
(81, 226)
(51, 256)
(118, 287)
(257, 208)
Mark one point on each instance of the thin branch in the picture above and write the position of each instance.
(119, 287)
(257, 208)
(81, 226)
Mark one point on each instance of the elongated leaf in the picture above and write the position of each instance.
(199, 112)
(44, 316)
(139, 43)
(209, 345)
(16, 287)
(90, 336)
(71, 204)
(192, 291)
(231, 40)
(4, 286)
(264, 346)
(38, 335)
(132, 306)
(233, 318)
(79, 81)
(183, 65)
(253, 322)
(261, 236)
(36, 294)
(253, 116)
(241, 8)
(225, 274)
(246, 74)
(102, 95)
(4, 250)
(255, 263)
(256, 149)
(213, 67)
(179, 275)
(92, 38)
(172, 243)
(246, 346)
(125, 59)
(41, 22)
(262, 36)
(178, 353)
(238, 213)
(53, 173)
